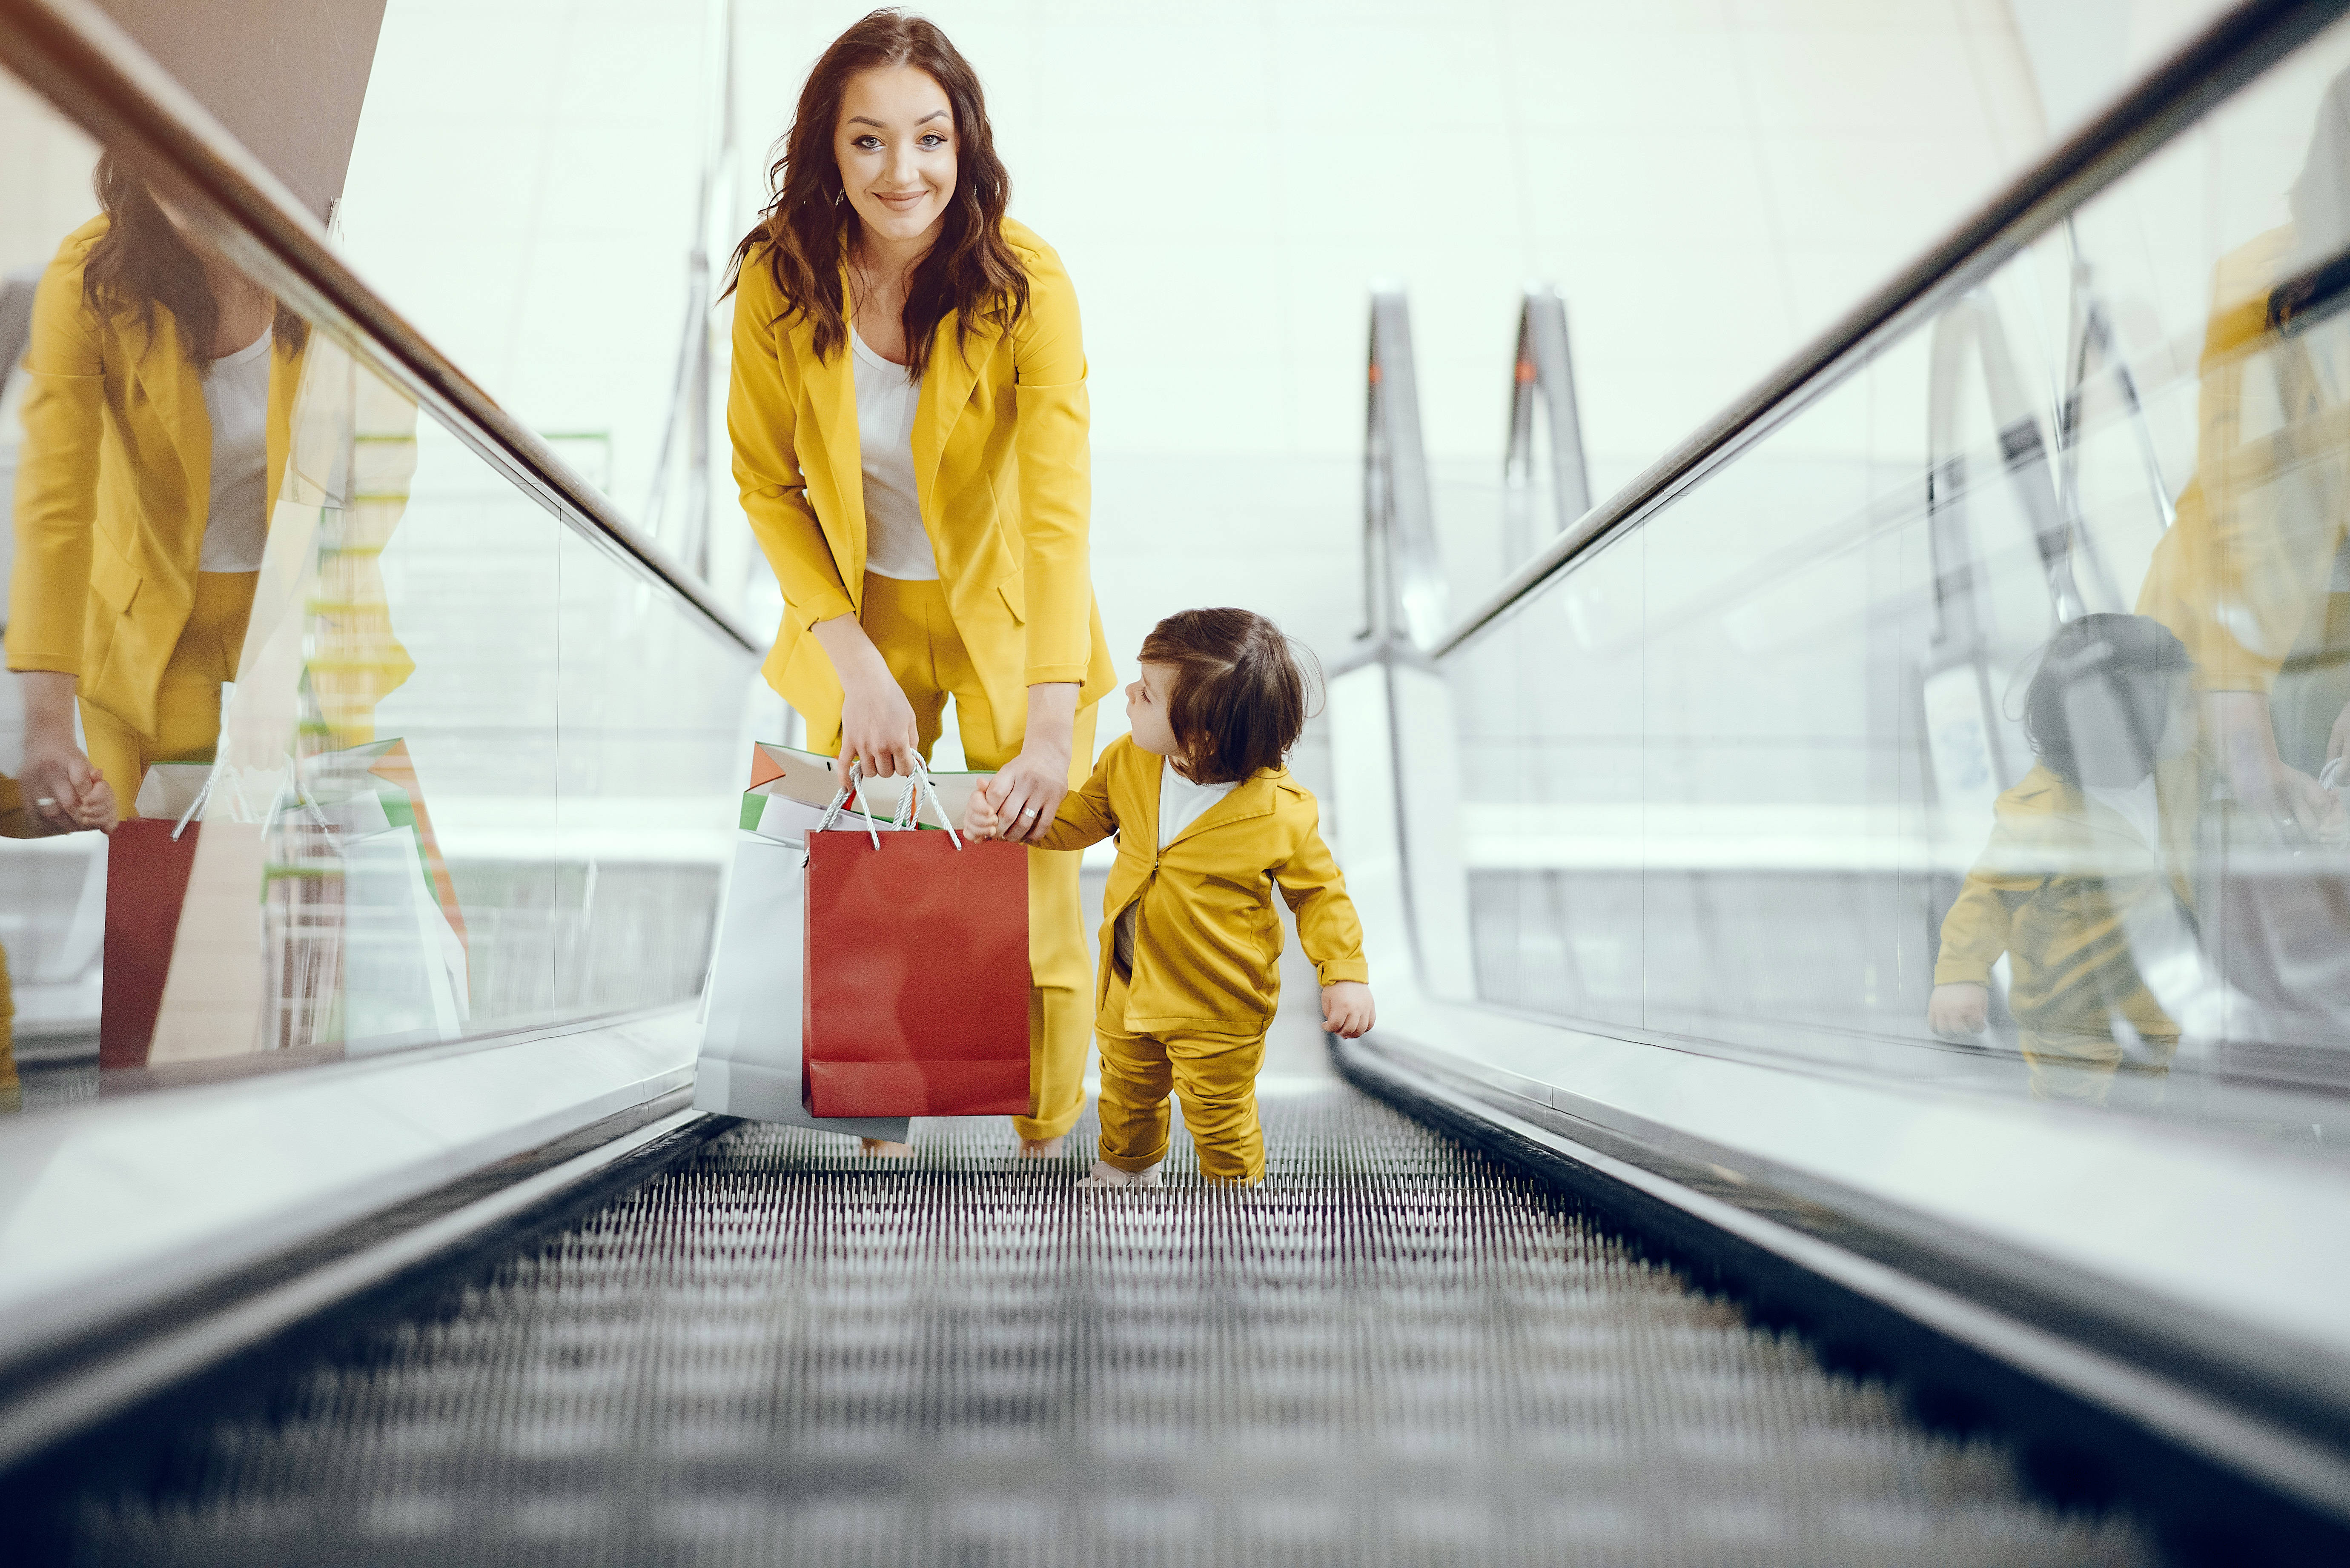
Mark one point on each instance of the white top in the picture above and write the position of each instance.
(2137, 805)
(236, 396)
(895, 543)
(1182, 803)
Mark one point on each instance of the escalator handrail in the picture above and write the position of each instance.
(2232, 50)
(92, 70)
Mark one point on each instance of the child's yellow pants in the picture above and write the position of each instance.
(1214, 1074)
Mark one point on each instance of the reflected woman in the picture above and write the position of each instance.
(909, 416)
(160, 385)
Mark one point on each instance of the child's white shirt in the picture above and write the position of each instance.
(2136, 804)
(1182, 803)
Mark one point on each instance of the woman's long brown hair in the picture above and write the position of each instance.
(970, 272)
(142, 262)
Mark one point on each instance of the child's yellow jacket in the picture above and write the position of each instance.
(1207, 942)
(2054, 890)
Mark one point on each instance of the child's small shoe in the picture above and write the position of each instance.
(1105, 1174)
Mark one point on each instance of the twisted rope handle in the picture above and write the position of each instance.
(853, 787)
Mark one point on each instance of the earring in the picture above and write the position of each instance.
(840, 196)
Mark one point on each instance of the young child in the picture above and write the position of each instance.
(2081, 851)
(1209, 824)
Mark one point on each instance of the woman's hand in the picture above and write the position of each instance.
(2241, 731)
(877, 722)
(1346, 1009)
(1026, 792)
(1960, 1007)
(65, 791)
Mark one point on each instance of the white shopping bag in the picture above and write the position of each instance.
(750, 1064)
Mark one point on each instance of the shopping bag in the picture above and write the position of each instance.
(750, 1062)
(791, 790)
(147, 861)
(388, 902)
(146, 869)
(916, 1002)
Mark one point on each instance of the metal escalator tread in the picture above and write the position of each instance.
(1394, 1351)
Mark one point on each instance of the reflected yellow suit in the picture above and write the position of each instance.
(2247, 576)
(1002, 474)
(1206, 978)
(112, 498)
(2052, 890)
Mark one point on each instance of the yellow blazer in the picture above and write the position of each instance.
(1002, 470)
(1207, 943)
(113, 490)
(2242, 576)
(2053, 889)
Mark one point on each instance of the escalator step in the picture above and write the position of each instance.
(1394, 1351)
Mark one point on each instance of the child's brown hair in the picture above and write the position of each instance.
(1237, 701)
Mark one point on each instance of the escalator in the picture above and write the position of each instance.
(1652, 1225)
(1396, 1350)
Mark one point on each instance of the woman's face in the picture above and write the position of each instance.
(896, 146)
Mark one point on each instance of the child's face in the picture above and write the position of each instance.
(1146, 710)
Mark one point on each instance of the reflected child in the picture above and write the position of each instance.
(2084, 855)
(1210, 825)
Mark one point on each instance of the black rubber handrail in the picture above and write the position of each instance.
(91, 70)
(2231, 52)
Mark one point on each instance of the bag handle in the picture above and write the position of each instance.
(853, 787)
(909, 810)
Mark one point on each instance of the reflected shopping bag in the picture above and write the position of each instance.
(916, 973)
(148, 862)
(399, 965)
(750, 1062)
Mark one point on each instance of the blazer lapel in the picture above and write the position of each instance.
(831, 385)
(160, 363)
(1251, 797)
(946, 387)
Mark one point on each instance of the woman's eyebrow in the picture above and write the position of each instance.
(862, 119)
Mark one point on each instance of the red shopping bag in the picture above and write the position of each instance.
(146, 882)
(916, 997)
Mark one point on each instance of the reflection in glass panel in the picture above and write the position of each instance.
(1989, 714)
(331, 738)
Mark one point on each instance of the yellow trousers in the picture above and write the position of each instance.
(188, 702)
(909, 622)
(1214, 1074)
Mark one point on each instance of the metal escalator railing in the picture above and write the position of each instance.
(91, 69)
(2237, 47)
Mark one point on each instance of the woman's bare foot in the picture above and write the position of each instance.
(1042, 1148)
(882, 1148)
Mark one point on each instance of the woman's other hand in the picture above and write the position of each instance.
(1346, 1009)
(1026, 792)
(877, 722)
(57, 780)
(1958, 1009)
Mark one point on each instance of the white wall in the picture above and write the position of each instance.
(1709, 181)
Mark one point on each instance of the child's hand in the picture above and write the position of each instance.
(1346, 1009)
(979, 818)
(98, 808)
(1960, 1008)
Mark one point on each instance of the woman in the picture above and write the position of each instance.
(909, 418)
(161, 383)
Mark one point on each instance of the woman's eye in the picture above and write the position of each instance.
(866, 143)
(934, 140)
